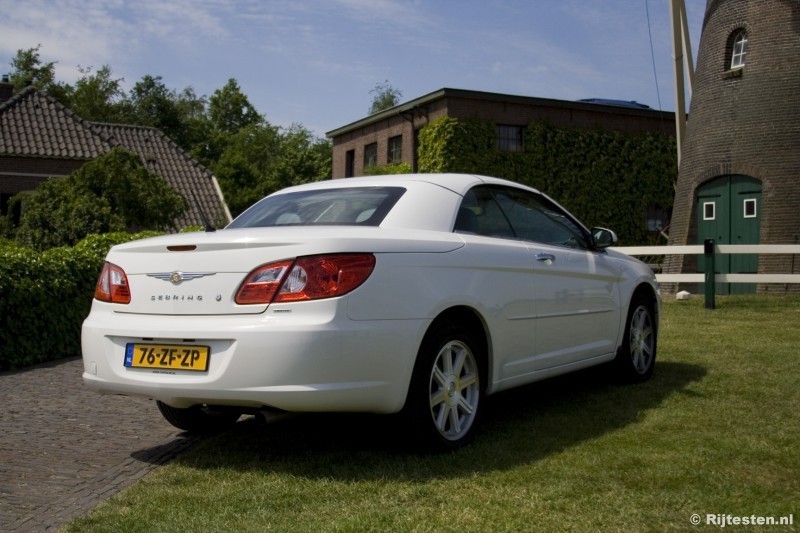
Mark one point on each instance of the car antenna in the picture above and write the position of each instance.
(206, 224)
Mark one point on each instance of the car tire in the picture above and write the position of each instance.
(446, 390)
(198, 418)
(636, 357)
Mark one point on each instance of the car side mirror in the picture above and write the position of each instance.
(603, 238)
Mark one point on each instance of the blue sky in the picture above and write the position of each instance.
(314, 62)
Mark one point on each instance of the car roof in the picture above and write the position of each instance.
(458, 183)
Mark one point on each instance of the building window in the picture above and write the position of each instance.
(350, 164)
(509, 138)
(739, 49)
(395, 154)
(370, 155)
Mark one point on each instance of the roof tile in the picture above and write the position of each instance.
(33, 124)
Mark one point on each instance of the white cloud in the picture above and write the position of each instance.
(69, 32)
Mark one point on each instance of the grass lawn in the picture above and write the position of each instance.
(716, 431)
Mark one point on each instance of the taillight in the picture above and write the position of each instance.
(262, 283)
(307, 278)
(112, 285)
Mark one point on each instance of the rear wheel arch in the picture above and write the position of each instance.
(468, 319)
(448, 382)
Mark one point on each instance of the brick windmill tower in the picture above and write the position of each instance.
(739, 177)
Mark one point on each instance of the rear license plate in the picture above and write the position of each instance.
(170, 356)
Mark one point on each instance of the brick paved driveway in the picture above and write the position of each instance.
(64, 449)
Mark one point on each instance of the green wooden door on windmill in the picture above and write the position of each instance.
(729, 212)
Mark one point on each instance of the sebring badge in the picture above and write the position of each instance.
(176, 278)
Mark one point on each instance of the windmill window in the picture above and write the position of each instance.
(709, 211)
(750, 208)
(739, 52)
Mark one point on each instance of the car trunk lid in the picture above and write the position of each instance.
(199, 273)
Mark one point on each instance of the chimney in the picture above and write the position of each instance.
(6, 89)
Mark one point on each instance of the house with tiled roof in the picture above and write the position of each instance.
(40, 139)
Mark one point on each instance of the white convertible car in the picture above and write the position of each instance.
(417, 293)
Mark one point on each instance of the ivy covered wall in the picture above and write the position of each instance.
(604, 178)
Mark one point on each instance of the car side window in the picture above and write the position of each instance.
(480, 214)
(517, 214)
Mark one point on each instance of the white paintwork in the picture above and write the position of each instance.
(357, 352)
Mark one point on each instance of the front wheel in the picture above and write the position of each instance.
(637, 355)
(445, 395)
(198, 418)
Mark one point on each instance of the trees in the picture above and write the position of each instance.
(98, 97)
(384, 96)
(153, 104)
(261, 158)
(251, 157)
(29, 70)
(230, 110)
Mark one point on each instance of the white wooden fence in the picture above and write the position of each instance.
(719, 249)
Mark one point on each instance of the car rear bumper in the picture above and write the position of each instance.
(306, 359)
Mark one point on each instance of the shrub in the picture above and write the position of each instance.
(114, 192)
(44, 297)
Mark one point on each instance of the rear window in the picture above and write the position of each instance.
(350, 206)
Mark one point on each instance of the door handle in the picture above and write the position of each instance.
(547, 259)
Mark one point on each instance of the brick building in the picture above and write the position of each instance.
(391, 136)
(739, 177)
(40, 139)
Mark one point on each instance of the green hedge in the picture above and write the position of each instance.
(44, 297)
(605, 178)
